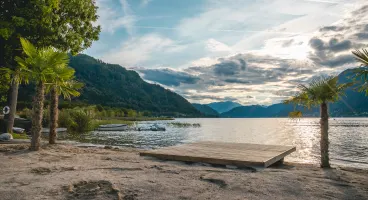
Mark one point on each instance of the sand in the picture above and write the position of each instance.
(70, 172)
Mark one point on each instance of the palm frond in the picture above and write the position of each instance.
(28, 48)
(69, 89)
(362, 56)
(319, 90)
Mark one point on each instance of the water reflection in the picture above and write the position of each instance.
(348, 136)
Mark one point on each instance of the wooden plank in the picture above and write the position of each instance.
(239, 154)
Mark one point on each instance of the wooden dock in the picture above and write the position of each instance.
(238, 154)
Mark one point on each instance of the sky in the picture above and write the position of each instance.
(248, 51)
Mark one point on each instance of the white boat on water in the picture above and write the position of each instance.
(58, 130)
(154, 127)
(18, 130)
(113, 127)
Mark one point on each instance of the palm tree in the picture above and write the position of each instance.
(63, 85)
(18, 76)
(362, 72)
(320, 92)
(40, 63)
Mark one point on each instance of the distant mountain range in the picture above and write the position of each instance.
(113, 85)
(206, 110)
(224, 106)
(354, 104)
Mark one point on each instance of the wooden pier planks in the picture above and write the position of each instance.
(238, 154)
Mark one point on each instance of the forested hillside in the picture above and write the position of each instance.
(114, 86)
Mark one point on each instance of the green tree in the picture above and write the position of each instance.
(63, 84)
(362, 72)
(67, 25)
(319, 93)
(131, 113)
(17, 76)
(41, 63)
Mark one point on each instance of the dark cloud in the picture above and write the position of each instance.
(362, 11)
(169, 77)
(200, 97)
(362, 36)
(235, 80)
(339, 60)
(336, 46)
(325, 53)
(333, 45)
(317, 44)
(229, 67)
(287, 43)
(332, 28)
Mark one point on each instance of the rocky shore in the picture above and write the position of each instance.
(70, 172)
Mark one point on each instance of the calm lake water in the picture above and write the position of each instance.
(348, 136)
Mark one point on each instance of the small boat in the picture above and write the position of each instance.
(58, 130)
(154, 127)
(113, 127)
(18, 130)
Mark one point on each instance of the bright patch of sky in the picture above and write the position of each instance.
(195, 38)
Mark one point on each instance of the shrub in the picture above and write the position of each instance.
(81, 121)
(46, 118)
(65, 120)
(77, 121)
(25, 113)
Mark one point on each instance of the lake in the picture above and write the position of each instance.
(348, 136)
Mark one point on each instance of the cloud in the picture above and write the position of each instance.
(334, 49)
(362, 36)
(229, 67)
(216, 46)
(251, 52)
(235, 80)
(137, 50)
(332, 28)
(287, 43)
(168, 77)
(113, 17)
(144, 3)
(325, 52)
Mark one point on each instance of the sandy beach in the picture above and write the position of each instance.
(65, 171)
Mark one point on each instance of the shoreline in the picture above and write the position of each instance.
(65, 171)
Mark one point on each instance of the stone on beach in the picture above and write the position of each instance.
(6, 137)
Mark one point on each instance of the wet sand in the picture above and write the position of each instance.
(65, 171)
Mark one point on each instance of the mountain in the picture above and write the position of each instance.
(257, 111)
(352, 105)
(113, 85)
(206, 110)
(225, 106)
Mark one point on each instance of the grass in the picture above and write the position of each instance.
(184, 124)
(19, 136)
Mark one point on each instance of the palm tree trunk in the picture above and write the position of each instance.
(13, 107)
(37, 114)
(53, 116)
(325, 160)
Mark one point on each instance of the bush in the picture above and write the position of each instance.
(81, 121)
(46, 117)
(26, 114)
(65, 120)
(75, 120)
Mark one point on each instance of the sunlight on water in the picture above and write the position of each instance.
(348, 136)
